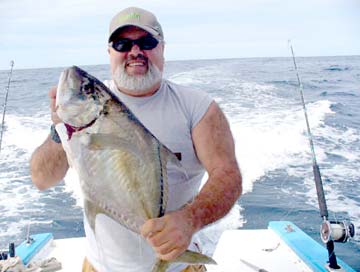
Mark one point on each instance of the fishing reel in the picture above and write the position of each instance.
(338, 231)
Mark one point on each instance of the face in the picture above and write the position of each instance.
(137, 72)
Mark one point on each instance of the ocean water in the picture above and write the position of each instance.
(262, 102)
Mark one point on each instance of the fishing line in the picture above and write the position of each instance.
(333, 231)
(5, 102)
(316, 170)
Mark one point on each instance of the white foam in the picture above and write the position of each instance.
(25, 132)
(273, 140)
(19, 197)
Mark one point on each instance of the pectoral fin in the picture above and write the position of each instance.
(106, 141)
(100, 141)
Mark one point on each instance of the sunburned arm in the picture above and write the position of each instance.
(171, 234)
(214, 146)
(48, 164)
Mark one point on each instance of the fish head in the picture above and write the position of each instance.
(80, 97)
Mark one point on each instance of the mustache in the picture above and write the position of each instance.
(138, 57)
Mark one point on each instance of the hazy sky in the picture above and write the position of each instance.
(46, 33)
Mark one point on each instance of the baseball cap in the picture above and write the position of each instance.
(138, 17)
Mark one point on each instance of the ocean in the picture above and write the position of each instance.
(261, 100)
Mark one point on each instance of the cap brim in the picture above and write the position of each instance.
(147, 29)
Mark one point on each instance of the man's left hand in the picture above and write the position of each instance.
(169, 235)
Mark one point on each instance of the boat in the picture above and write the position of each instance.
(281, 247)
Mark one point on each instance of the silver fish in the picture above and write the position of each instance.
(120, 163)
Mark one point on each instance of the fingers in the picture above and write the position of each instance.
(151, 227)
(171, 255)
(167, 249)
(52, 95)
(52, 92)
(168, 235)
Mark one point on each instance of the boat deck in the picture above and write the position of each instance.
(281, 247)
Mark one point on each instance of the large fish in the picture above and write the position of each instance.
(120, 163)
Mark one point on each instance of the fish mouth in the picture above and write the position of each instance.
(71, 129)
(62, 81)
(69, 79)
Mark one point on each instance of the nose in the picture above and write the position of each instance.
(135, 50)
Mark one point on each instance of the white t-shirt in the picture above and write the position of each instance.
(170, 115)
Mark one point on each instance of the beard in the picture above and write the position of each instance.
(137, 84)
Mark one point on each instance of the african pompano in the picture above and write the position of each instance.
(114, 155)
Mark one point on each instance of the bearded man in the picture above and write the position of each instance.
(187, 121)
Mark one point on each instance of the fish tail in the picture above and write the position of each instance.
(160, 266)
(192, 257)
(189, 257)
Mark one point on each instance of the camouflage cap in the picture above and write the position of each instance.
(138, 17)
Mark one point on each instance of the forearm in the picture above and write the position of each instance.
(217, 197)
(48, 164)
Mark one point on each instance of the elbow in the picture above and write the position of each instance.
(38, 181)
(42, 183)
(237, 181)
(238, 184)
(39, 176)
(40, 186)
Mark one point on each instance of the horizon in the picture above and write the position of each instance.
(179, 60)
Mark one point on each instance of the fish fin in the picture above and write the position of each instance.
(189, 257)
(160, 266)
(192, 257)
(107, 141)
(90, 211)
(100, 141)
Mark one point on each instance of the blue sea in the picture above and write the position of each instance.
(261, 99)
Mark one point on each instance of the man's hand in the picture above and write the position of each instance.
(169, 235)
(52, 95)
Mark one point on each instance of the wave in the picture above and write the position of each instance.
(337, 68)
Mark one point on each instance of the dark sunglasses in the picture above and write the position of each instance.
(124, 45)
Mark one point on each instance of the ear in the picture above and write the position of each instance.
(162, 48)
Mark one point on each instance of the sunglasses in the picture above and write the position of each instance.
(124, 45)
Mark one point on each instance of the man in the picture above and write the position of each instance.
(186, 121)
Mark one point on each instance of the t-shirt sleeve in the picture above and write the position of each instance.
(199, 107)
(196, 103)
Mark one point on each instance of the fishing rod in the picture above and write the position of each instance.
(329, 231)
(5, 102)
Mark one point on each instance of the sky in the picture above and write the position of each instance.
(47, 33)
